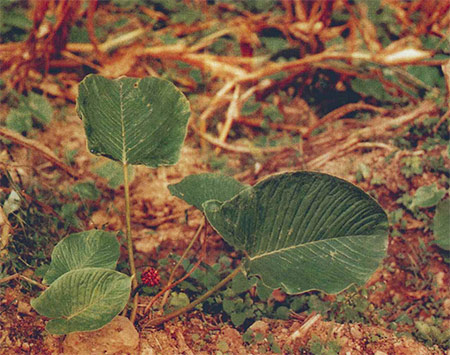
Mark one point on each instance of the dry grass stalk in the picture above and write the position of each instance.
(236, 148)
(231, 116)
(377, 128)
(342, 111)
(37, 147)
(216, 102)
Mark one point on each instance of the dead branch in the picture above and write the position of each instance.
(231, 115)
(342, 111)
(37, 147)
(236, 148)
(378, 127)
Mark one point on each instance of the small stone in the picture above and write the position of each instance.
(260, 327)
(355, 332)
(440, 279)
(230, 341)
(24, 308)
(379, 352)
(117, 337)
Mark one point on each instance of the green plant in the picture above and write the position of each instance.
(85, 292)
(319, 347)
(441, 227)
(298, 231)
(132, 121)
(432, 334)
(14, 23)
(349, 306)
(31, 110)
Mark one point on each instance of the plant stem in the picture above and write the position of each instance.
(172, 274)
(158, 321)
(130, 240)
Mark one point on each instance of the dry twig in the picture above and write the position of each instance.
(38, 147)
(378, 127)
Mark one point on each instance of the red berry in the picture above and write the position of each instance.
(150, 277)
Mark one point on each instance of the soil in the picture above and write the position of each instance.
(160, 227)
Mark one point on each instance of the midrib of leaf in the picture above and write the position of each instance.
(302, 245)
(122, 122)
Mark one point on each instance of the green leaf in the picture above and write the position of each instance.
(250, 107)
(263, 291)
(112, 171)
(241, 283)
(19, 120)
(134, 121)
(427, 196)
(238, 318)
(303, 231)
(369, 87)
(441, 225)
(222, 346)
(274, 44)
(40, 108)
(428, 75)
(178, 300)
(282, 312)
(69, 214)
(87, 190)
(229, 305)
(16, 18)
(258, 5)
(196, 75)
(94, 248)
(273, 113)
(83, 300)
(197, 189)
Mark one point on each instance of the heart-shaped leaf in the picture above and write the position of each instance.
(94, 248)
(134, 121)
(83, 300)
(303, 231)
(197, 189)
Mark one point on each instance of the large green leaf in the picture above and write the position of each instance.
(134, 121)
(94, 248)
(197, 189)
(304, 231)
(83, 300)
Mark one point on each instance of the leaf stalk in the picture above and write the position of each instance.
(126, 184)
(160, 320)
